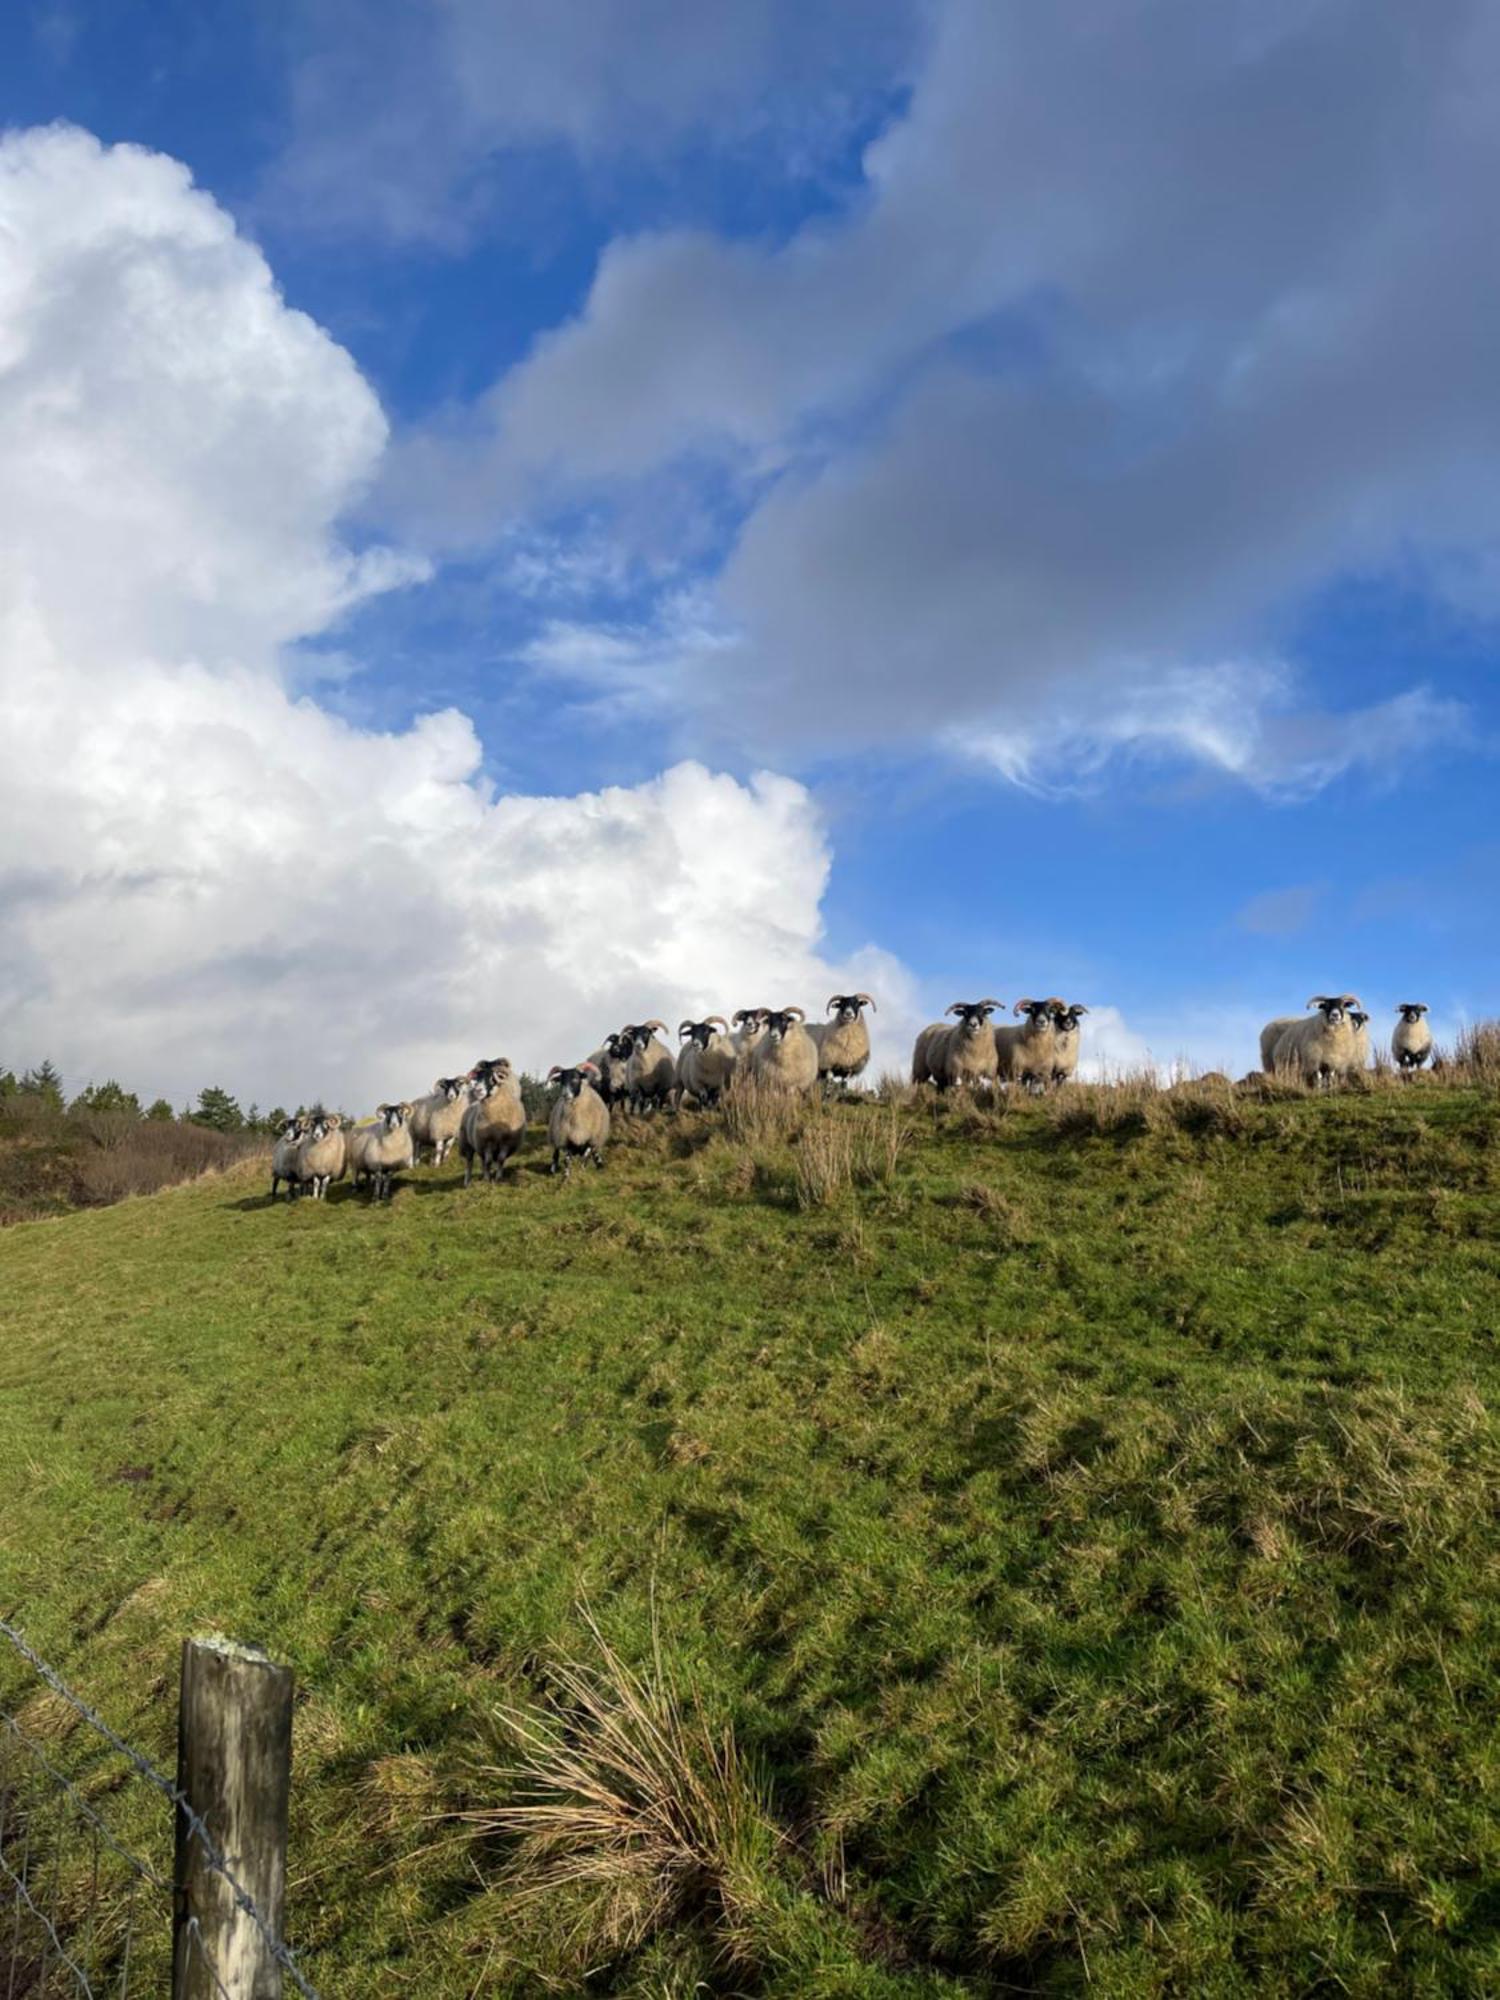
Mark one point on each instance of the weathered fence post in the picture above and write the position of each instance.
(234, 1764)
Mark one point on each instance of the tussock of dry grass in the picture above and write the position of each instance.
(622, 1789)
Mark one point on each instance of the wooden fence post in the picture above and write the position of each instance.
(234, 1766)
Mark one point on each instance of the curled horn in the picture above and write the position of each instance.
(1056, 1000)
(1351, 1000)
(836, 1000)
(989, 1003)
(800, 1012)
(554, 1071)
(592, 1068)
(711, 1018)
(1077, 1008)
(1022, 1006)
(685, 1028)
(741, 1015)
(958, 1007)
(1320, 999)
(865, 1001)
(655, 1024)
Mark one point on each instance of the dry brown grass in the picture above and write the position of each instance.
(1476, 1055)
(628, 1803)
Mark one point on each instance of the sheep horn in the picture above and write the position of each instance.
(1056, 1000)
(1351, 1000)
(1075, 1009)
(741, 1015)
(834, 1000)
(865, 1001)
(655, 1024)
(711, 1018)
(1318, 999)
(800, 1012)
(554, 1071)
(593, 1068)
(989, 1003)
(1022, 1006)
(958, 1007)
(685, 1027)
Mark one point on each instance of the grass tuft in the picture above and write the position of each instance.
(625, 1798)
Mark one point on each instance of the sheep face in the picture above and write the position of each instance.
(1334, 1007)
(1067, 1018)
(450, 1087)
(699, 1032)
(1411, 1011)
(973, 1017)
(490, 1075)
(848, 1006)
(779, 1024)
(570, 1081)
(1036, 1011)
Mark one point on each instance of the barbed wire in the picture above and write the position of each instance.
(144, 1768)
(81, 1805)
(46, 1923)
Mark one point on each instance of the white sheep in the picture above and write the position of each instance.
(1411, 1039)
(436, 1119)
(284, 1155)
(844, 1042)
(579, 1120)
(379, 1151)
(707, 1061)
(1027, 1053)
(322, 1154)
(1320, 1048)
(494, 1120)
(749, 1026)
(960, 1054)
(786, 1056)
(651, 1075)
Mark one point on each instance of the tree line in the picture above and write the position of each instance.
(217, 1110)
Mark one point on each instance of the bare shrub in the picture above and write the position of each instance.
(624, 1791)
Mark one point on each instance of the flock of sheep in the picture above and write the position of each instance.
(482, 1112)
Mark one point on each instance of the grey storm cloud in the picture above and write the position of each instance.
(1148, 319)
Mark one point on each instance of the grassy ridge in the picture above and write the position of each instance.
(1084, 1524)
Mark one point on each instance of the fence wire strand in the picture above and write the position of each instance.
(139, 1870)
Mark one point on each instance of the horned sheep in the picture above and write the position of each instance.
(284, 1155)
(379, 1151)
(707, 1060)
(651, 1074)
(579, 1119)
(322, 1155)
(435, 1119)
(494, 1120)
(1026, 1051)
(786, 1056)
(958, 1054)
(1320, 1047)
(843, 1043)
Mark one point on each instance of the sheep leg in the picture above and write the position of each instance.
(556, 1155)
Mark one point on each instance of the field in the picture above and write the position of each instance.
(1041, 1550)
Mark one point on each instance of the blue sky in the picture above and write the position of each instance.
(1062, 443)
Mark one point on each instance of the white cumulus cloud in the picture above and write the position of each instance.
(207, 877)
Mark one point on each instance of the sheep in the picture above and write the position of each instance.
(843, 1043)
(749, 1026)
(322, 1155)
(1028, 1054)
(579, 1121)
(435, 1119)
(612, 1060)
(651, 1075)
(383, 1149)
(707, 1063)
(1360, 1022)
(786, 1056)
(1067, 1039)
(494, 1122)
(284, 1155)
(1411, 1040)
(1319, 1048)
(958, 1053)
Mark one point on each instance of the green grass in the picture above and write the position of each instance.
(1080, 1520)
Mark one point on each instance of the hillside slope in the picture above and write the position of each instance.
(1087, 1534)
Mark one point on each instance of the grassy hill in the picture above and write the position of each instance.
(1036, 1550)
